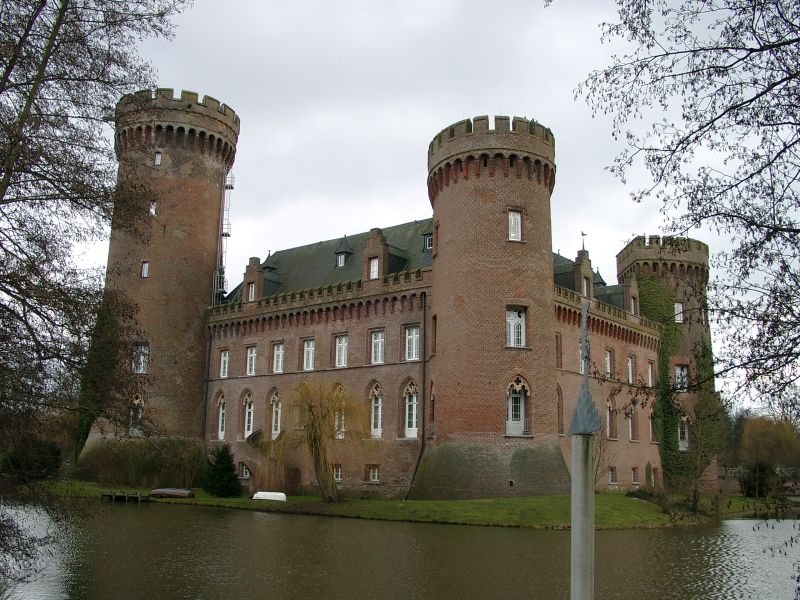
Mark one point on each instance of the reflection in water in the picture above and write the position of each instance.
(143, 551)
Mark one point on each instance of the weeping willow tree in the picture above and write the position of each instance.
(324, 415)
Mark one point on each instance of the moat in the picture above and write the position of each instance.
(157, 551)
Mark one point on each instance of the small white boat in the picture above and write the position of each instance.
(278, 496)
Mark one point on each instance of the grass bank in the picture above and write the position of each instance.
(612, 511)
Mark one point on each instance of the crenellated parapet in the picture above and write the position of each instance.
(470, 149)
(156, 119)
(667, 256)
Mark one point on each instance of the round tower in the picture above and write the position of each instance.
(174, 155)
(493, 350)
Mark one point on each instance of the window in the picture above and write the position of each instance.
(152, 208)
(516, 399)
(635, 475)
(144, 272)
(581, 361)
(609, 363)
(515, 328)
(429, 242)
(633, 423)
(631, 369)
(634, 305)
(141, 358)
(683, 435)
(338, 423)
(412, 343)
(611, 420)
(411, 402)
(373, 268)
(157, 159)
(652, 429)
(612, 475)
(654, 476)
(587, 286)
(251, 360)
(251, 291)
(248, 415)
(224, 361)
(221, 420)
(275, 404)
(277, 358)
(376, 411)
(341, 350)
(373, 473)
(337, 472)
(679, 312)
(514, 226)
(308, 355)
(650, 371)
(245, 472)
(377, 338)
(340, 258)
(681, 377)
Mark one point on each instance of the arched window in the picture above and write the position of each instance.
(376, 411)
(517, 395)
(411, 403)
(221, 418)
(560, 408)
(611, 420)
(248, 415)
(275, 405)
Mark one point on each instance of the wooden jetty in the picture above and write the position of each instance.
(124, 497)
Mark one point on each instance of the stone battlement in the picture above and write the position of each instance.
(663, 254)
(164, 98)
(517, 135)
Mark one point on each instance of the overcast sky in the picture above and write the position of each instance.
(339, 99)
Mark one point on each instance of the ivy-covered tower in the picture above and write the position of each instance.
(174, 155)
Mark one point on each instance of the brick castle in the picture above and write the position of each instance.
(458, 333)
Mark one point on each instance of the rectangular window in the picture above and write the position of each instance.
(428, 242)
(652, 430)
(412, 343)
(141, 358)
(631, 370)
(374, 473)
(338, 424)
(251, 360)
(340, 259)
(277, 358)
(251, 292)
(308, 355)
(681, 377)
(514, 226)
(373, 268)
(224, 360)
(683, 436)
(377, 339)
(515, 328)
(612, 475)
(144, 273)
(609, 363)
(587, 286)
(650, 373)
(337, 473)
(152, 208)
(634, 305)
(341, 350)
(634, 474)
(679, 312)
(559, 359)
(157, 160)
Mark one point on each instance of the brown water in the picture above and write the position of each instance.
(158, 551)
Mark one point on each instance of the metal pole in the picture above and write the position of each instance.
(582, 533)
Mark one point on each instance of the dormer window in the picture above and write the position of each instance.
(428, 242)
(341, 257)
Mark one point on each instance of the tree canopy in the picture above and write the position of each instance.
(718, 82)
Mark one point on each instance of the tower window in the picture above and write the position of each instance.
(679, 312)
(514, 226)
(373, 268)
(153, 208)
(251, 292)
(157, 160)
(515, 327)
(144, 272)
(141, 358)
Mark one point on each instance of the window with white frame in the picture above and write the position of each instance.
(635, 475)
(429, 242)
(144, 272)
(221, 419)
(373, 473)
(376, 411)
(374, 270)
(377, 342)
(411, 405)
(153, 208)
(681, 377)
(224, 361)
(650, 373)
(141, 358)
(515, 327)
(514, 225)
(275, 406)
(248, 415)
(157, 159)
(277, 357)
(251, 360)
(679, 312)
(587, 287)
(412, 343)
(631, 369)
(633, 422)
(308, 355)
(683, 435)
(251, 291)
(337, 472)
(341, 350)
(517, 396)
(340, 259)
(612, 475)
(634, 305)
(244, 471)
(608, 363)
